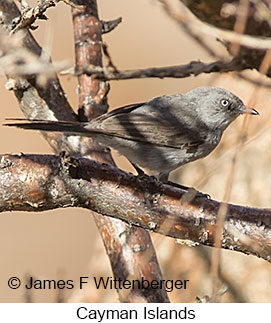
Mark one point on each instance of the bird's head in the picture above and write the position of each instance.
(217, 107)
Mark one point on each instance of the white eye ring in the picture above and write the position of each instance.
(224, 102)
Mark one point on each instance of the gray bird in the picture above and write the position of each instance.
(161, 134)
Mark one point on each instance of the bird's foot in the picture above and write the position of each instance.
(151, 180)
(149, 183)
(140, 172)
(191, 192)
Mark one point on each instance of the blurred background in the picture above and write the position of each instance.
(65, 244)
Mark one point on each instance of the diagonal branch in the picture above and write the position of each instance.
(218, 18)
(185, 17)
(48, 101)
(131, 252)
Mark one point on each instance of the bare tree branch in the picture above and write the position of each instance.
(42, 101)
(130, 251)
(229, 36)
(43, 182)
(223, 15)
(31, 95)
(30, 15)
(108, 26)
(179, 71)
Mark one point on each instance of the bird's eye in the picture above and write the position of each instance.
(224, 102)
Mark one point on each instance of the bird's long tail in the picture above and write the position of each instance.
(74, 128)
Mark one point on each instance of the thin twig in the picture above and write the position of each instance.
(179, 71)
(110, 64)
(30, 15)
(108, 26)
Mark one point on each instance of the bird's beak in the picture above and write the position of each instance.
(248, 110)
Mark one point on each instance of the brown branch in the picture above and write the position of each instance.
(39, 182)
(46, 101)
(223, 15)
(110, 64)
(194, 68)
(30, 15)
(49, 102)
(140, 203)
(179, 71)
(87, 37)
(130, 251)
(187, 18)
(108, 26)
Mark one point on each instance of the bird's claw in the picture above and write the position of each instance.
(191, 192)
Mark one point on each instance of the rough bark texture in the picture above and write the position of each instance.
(130, 251)
(37, 183)
(49, 102)
(42, 182)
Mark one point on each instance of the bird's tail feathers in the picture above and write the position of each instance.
(75, 128)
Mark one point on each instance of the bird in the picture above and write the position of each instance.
(162, 134)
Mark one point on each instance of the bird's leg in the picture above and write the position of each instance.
(140, 172)
(163, 177)
(182, 187)
(142, 175)
(153, 185)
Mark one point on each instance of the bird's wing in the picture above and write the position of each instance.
(130, 123)
(157, 126)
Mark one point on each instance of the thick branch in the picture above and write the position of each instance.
(38, 183)
(48, 101)
(119, 240)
